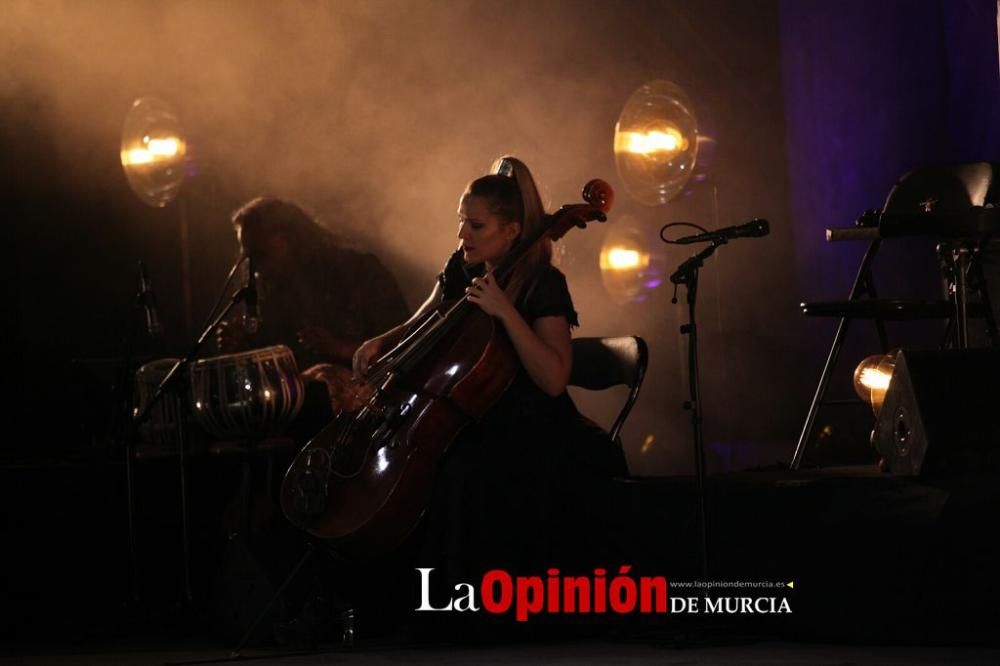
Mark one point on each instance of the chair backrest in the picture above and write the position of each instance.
(954, 189)
(600, 363)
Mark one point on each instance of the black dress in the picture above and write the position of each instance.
(524, 489)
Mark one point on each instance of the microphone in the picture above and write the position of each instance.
(755, 228)
(251, 313)
(148, 300)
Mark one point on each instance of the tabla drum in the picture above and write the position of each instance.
(248, 394)
(158, 434)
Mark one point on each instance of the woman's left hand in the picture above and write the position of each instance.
(487, 294)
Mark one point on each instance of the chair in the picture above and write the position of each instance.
(600, 363)
(953, 203)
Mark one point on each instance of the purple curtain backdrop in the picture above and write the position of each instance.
(872, 90)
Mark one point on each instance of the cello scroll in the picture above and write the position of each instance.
(599, 197)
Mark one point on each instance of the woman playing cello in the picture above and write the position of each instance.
(513, 489)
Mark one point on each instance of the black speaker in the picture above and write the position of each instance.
(940, 420)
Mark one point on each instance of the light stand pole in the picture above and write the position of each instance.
(153, 151)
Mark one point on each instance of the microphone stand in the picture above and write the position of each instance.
(167, 384)
(687, 274)
(123, 430)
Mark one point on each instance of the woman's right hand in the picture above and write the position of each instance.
(371, 349)
(365, 354)
(346, 395)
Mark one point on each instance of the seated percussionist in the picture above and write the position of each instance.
(317, 297)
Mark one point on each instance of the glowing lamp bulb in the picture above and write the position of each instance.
(165, 147)
(619, 258)
(655, 143)
(872, 378)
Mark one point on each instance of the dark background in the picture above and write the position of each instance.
(375, 115)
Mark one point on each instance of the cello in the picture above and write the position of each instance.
(364, 481)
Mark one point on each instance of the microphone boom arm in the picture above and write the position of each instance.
(686, 270)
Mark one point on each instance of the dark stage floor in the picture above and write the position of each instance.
(876, 561)
(756, 654)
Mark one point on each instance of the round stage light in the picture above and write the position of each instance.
(631, 266)
(656, 142)
(153, 151)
